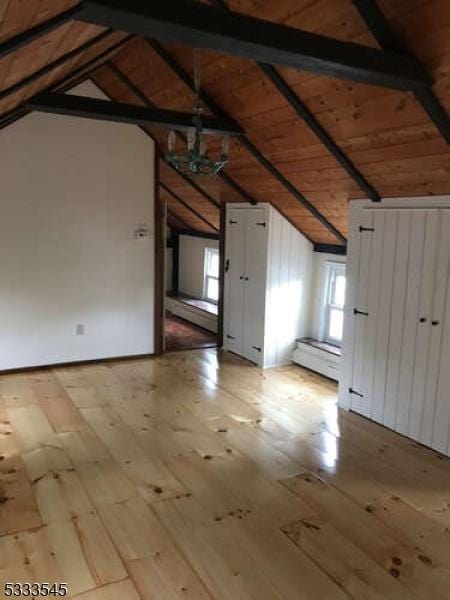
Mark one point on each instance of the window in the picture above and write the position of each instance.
(334, 304)
(211, 281)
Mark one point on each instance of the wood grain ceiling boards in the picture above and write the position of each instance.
(385, 133)
(18, 17)
(164, 88)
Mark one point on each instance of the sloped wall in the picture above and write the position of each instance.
(289, 279)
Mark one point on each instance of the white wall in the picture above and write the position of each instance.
(318, 285)
(73, 192)
(192, 261)
(288, 289)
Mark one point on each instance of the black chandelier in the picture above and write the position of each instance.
(196, 161)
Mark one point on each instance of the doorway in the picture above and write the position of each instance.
(193, 289)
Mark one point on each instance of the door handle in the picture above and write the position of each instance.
(435, 322)
(422, 320)
(227, 265)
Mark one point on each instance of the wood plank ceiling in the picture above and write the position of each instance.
(386, 134)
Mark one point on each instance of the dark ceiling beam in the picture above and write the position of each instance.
(187, 206)
(388, 40)
(330, 249)
(55, 64)
(105, 110)
(307, 116)
(28, 36)
(435, 111)
(248, 145)
(378, 25)
(203, 26)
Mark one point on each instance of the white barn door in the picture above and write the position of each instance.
(255, 284)
(400, 374)
(234, 279)
(360, 400)
(436, 420)
(371, 312)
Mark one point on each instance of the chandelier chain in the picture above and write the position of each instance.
(196, 161)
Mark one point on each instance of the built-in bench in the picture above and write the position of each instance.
(195, 310)
(318, 356)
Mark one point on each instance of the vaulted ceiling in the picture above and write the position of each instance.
(387, 142)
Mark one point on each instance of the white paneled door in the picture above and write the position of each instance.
(234, 277)
(246, 267)
(436, 422)
(267, 282)
(400, 371)
(255, 284)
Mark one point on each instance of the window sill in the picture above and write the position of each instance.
(322, 346)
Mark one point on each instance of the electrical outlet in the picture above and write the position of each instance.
(80, 329)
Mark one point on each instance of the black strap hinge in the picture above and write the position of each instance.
(263, 224)
(352, 391)
(232, 222)
(256, 348)
(360, 312)
(361, 228)
(230, 337)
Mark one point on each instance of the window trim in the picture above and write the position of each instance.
(332, 268)
(207, 277)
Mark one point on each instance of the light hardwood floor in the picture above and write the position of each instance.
(197, 476)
